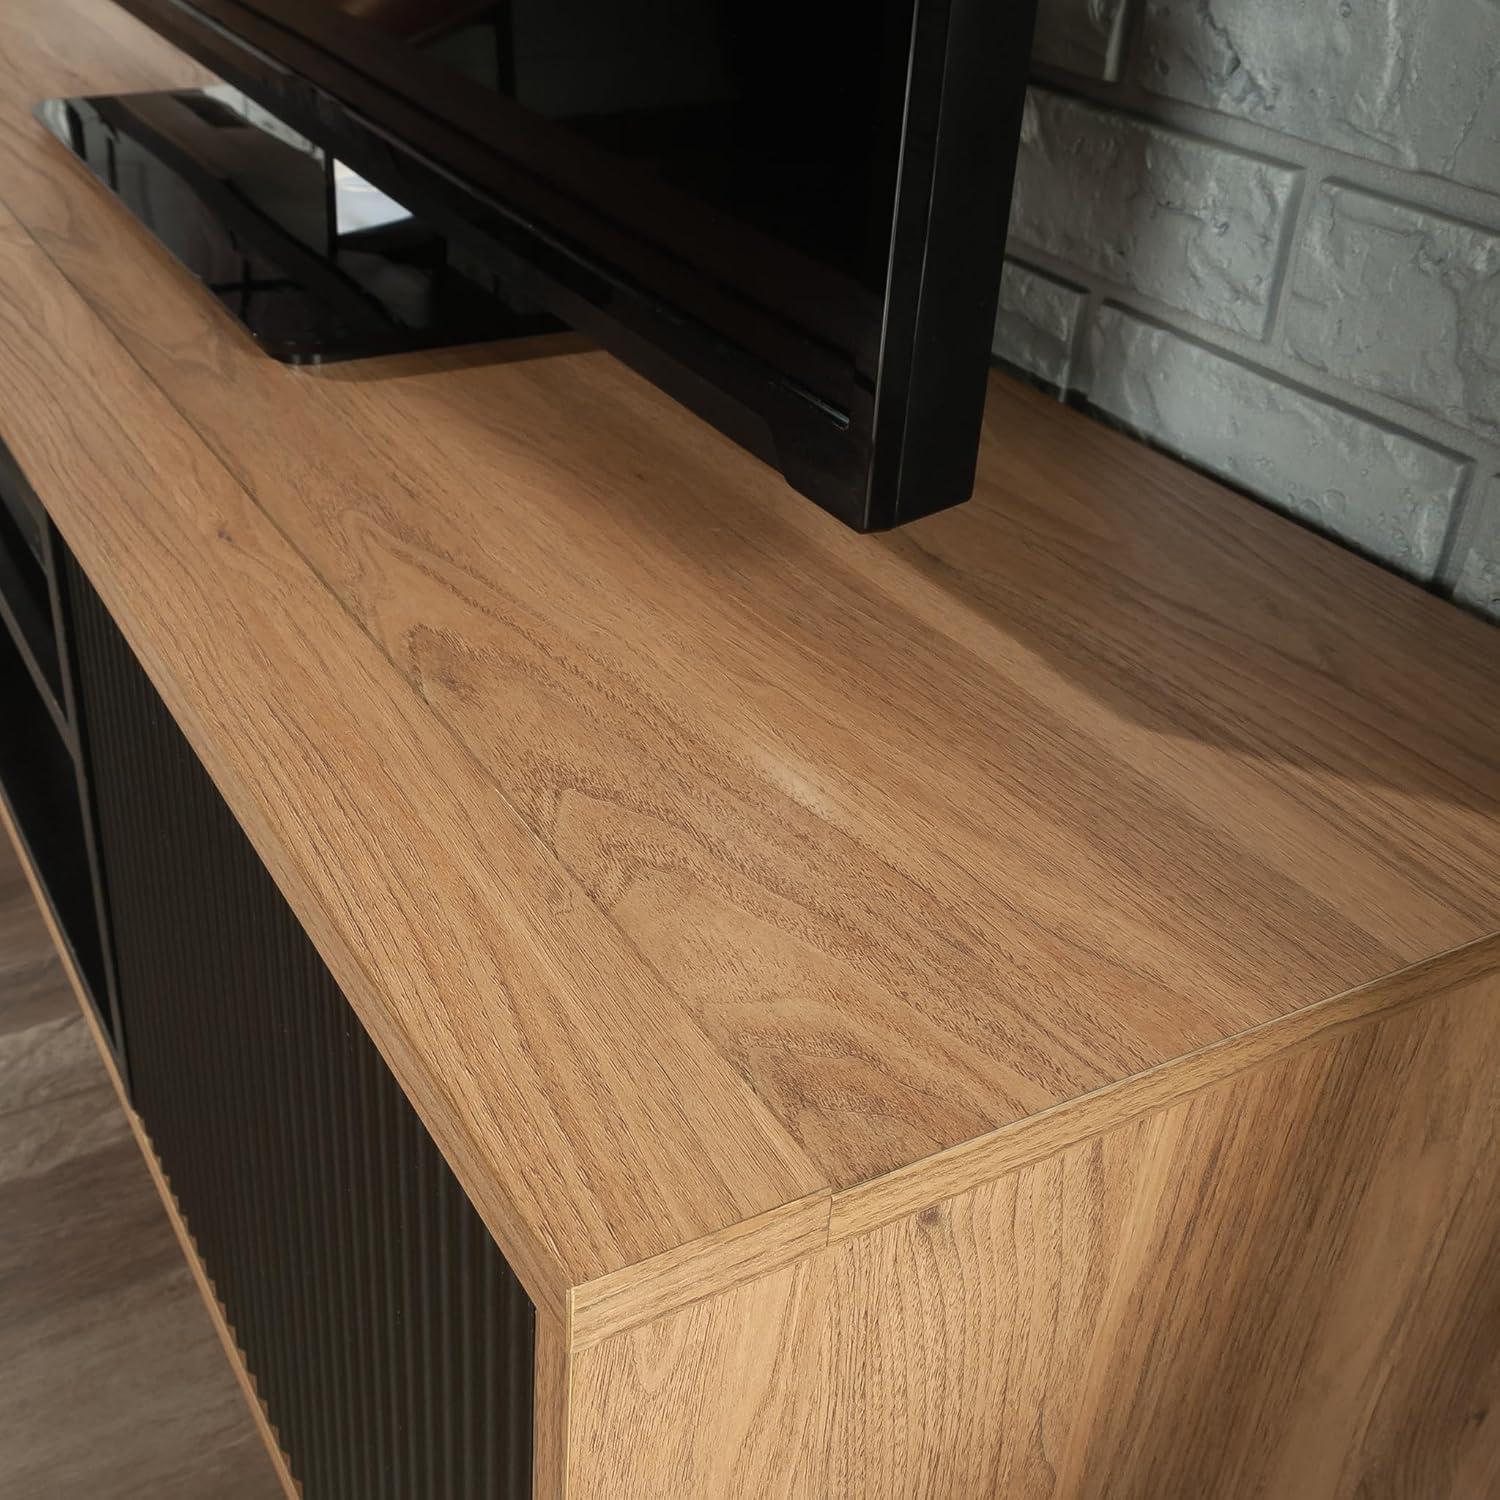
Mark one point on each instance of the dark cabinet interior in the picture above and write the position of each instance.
(41, 771)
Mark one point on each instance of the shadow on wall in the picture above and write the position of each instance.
(1266, 236)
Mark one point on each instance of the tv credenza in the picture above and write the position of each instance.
(629, 990)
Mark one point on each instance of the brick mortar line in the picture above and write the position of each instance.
(1423, 193)
(1270, 359)
(1424, 190)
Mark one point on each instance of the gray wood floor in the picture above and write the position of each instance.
(112, 1382)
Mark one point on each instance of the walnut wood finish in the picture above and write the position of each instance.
(723, 887)
(1285, 1286)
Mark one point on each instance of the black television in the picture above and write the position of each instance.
(790, 216)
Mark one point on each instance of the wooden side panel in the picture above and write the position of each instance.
(549, 1444)
(729, 1397)
(1288, 1285)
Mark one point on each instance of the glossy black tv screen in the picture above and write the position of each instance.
(789, 215)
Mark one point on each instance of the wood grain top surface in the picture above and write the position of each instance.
(655, 822)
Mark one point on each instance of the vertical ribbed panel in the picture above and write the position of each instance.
(388, 1337)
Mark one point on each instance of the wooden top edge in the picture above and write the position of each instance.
(638, 1294)
(641, 1293)
(859, 1210)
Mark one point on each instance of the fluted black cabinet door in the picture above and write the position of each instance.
(387, 1335)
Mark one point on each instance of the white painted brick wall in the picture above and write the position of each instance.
(1415, 83)
(1265, 234)
(1180, 221)
(1038, 321)
(1479, 564)
(1082, 36)
(1401, 300)
(1385, 492)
